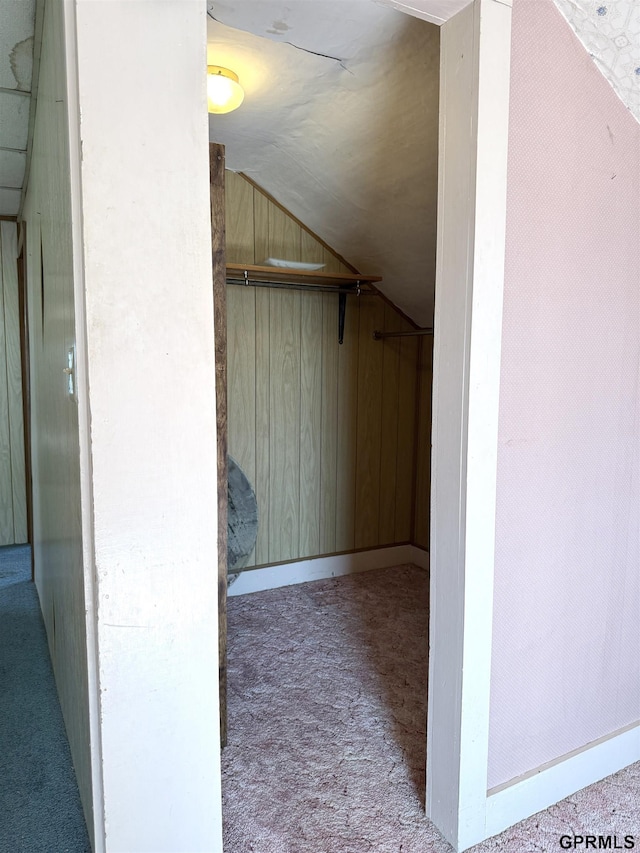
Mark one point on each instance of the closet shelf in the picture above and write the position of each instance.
(378, 335)
(312, 279)
(343, 284)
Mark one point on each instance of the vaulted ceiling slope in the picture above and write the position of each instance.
(335, 89)
(340, 124)
(340, 118)
(17, 19)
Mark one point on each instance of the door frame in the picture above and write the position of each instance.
(474, 123)
(474, 129)
(26, 381)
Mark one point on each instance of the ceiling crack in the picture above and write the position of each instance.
(321, 55)
(297, 47)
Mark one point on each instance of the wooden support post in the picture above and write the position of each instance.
(216, 175)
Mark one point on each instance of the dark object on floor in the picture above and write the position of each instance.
(242, 521)
(40, 810)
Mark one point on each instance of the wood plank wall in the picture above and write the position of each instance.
(13, 499)
(325, 433)
(423, 445)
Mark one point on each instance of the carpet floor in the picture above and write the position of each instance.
(40, 810)
(327, 708)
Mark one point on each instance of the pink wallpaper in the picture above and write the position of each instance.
(566, 653)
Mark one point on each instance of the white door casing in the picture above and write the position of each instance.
(474, 113)
(474, 128)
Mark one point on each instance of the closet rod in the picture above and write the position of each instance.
(378, 336)
(355, 289)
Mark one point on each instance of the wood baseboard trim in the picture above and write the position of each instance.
(511, 803)
(287, 574)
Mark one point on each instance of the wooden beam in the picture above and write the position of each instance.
(216, 177)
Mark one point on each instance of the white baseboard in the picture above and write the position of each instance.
(285, 574)
(510, 804)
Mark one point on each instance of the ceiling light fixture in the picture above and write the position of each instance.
(224, 92)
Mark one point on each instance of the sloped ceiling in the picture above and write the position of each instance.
(340, 124)
(331, 135)
(340, 117)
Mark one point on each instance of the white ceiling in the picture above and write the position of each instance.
(340, 124)
(340, 119)
(17, 19)
(332, 136)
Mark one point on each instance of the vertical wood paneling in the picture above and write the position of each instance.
(241, 369)
(6, 491)
(332, 264)
(423, 446)
(240, 248)
(33, 274)
(389, 428)
(369, 434)
(347, 438)
(14, 378)
(262, 480)
(284, 416)
(284, 402)
(311, 252)
(239, 220)
(330, 445)
(311, 343)
(260, 227)
(406, 437)
(284, 235)
(341, 369)
(310, 422)
(263, 385)
(329, 424)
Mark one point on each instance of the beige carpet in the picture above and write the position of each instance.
(327, 710)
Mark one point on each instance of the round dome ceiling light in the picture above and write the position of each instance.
(224, 92)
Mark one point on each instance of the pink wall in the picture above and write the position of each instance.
(566, 652)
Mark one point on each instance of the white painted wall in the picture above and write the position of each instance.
(58, 545)
(150, 368)
(435, 11)
(13, 497)
(474, 98)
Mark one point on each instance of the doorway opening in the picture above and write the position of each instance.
(334, 437)
(15, 469)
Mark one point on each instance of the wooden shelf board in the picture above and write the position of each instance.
(258, 273)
